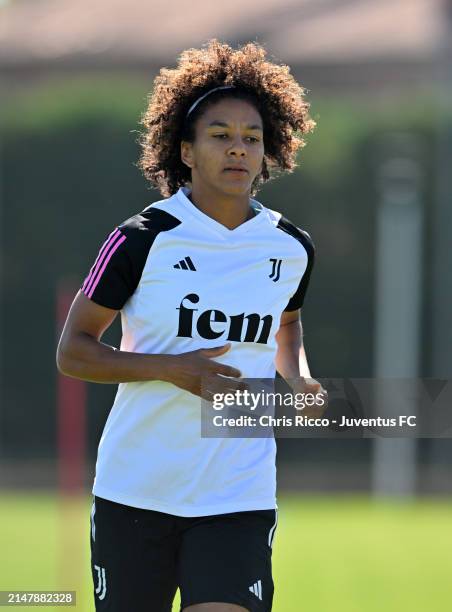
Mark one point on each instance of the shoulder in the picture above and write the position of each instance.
(137, 233)
(153, 219)
(117, 270)
(283, 224)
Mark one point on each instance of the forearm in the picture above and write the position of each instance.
(291, 360)
(86, 358)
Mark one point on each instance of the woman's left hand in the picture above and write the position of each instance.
(311, 387)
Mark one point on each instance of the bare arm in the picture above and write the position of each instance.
(81, 354)
(291, 361)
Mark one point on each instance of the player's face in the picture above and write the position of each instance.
(228, 150)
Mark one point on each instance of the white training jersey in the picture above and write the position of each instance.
(182, 282)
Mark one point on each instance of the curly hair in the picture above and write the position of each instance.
(273, 90)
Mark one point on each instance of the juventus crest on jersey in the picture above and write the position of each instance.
(183, 281)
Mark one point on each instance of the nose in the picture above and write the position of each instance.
(237, 148)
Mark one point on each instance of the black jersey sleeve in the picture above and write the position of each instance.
(117, 269)
(112, 277)
(297, 299)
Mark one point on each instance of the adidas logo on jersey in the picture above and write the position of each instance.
(185, 264)
(241, 327)
(256, 588)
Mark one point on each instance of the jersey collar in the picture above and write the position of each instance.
(246, 226)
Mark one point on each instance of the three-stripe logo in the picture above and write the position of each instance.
(185, 264)
(256, 589)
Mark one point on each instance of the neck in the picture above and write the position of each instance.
(229, 210)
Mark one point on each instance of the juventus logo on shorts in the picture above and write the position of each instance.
(101, 588)
(276, 267)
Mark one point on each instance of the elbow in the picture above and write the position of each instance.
(63, 361)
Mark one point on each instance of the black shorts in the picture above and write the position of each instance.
(140, 557)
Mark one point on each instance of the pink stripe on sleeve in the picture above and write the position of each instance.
(101, 271)
(113, 234)
(106, 250)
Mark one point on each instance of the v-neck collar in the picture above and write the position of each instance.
(246, 226)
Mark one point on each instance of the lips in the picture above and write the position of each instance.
(235, 169)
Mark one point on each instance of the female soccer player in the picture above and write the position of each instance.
(209, 283)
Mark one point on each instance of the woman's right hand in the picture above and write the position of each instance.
(197, 372)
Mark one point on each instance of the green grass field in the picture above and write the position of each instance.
(331, 554)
